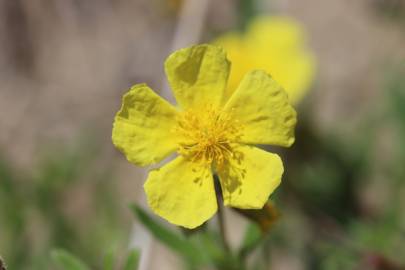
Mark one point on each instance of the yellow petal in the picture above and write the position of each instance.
(182, 192)
(277, 45)
(248, 179)
(143, 126)
(198, 75)
(261, 106)
(276, 32)
(240, 57)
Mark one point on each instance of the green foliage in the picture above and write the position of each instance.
(174, 241)
(132, 261)
(201, 248)
(391, 9)
(253, 237)
(67, 261)
(395, 84)
(337, 258)
(247, 10)
(108, 262)
(33, 216)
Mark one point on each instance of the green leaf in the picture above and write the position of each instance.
(253, 237)
(247, 10)
(108, 261)
(132, 260)
(68, 261)
(210, 245)
(174, 241)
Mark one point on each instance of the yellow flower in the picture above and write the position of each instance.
(210, 133)
(276, 45)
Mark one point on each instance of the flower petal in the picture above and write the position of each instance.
(248, 179)
(240, 56)
(142, 127)
(280, 46)
(261, 105)
(276, 44)
(198, 75)
(182, 192)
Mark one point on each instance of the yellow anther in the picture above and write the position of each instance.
(206, 135)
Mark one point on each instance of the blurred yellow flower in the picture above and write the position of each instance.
(209, 132)
(275, 44)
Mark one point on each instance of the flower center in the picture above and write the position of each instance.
(206, 135)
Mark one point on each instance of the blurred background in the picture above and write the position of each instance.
(64, 66)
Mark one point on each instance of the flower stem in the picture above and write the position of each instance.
(221, 217)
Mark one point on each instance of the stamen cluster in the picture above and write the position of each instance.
(206, 135)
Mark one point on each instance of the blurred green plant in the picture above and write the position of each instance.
(247, 10)
(391, 9)
(201, 247)
(38, 212)
(68, 261)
